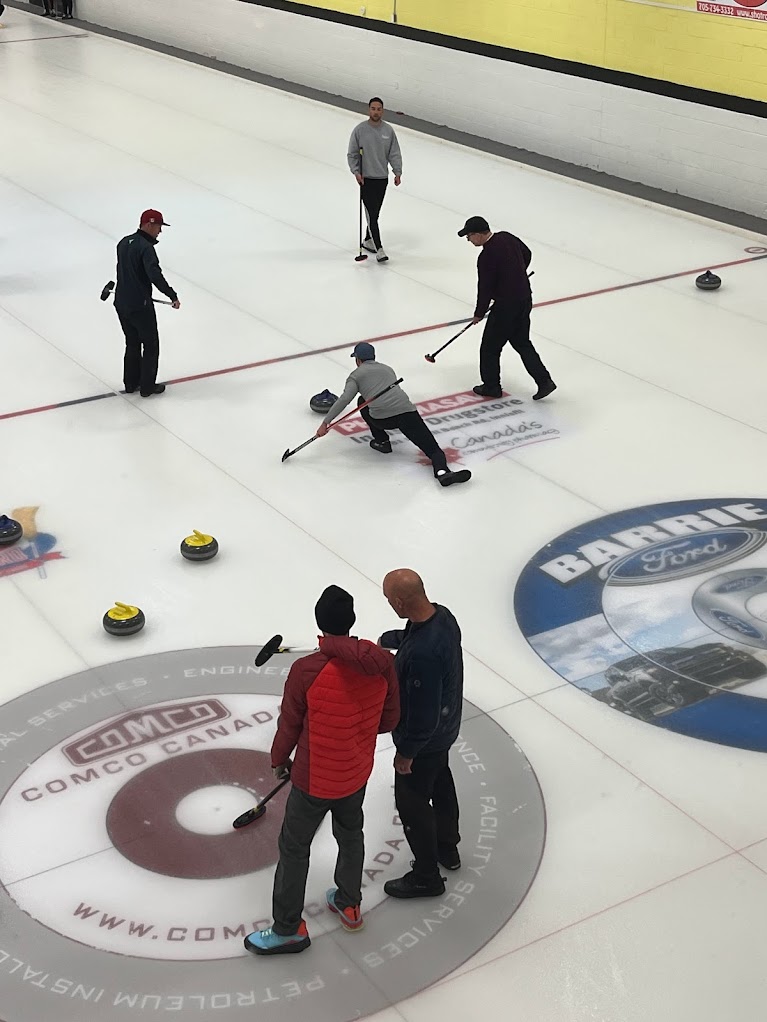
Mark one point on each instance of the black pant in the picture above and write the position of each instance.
(373, 191)
(303, 816)
(411, 425)
(428, 808)
(509, 323)
(142, 348)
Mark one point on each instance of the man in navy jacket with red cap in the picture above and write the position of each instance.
(336, 702)
(138, 268)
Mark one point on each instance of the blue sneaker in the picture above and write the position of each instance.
(267, 942)
(351, 918)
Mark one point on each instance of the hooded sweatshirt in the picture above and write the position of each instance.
(336, 701)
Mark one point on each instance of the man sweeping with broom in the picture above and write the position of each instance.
(336, 702)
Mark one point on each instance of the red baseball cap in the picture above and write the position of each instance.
(152, 216)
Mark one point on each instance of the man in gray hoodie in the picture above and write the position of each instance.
(394, 410)
(372, 147)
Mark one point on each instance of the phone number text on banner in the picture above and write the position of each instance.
(754, 9)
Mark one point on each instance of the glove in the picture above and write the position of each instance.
(282, 772)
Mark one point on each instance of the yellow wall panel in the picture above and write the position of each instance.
(379, 10)
(667, 40)
(569, 29)
(706, 51)
(671, 42)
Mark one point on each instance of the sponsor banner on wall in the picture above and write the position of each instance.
(471, 429)
(756, 10)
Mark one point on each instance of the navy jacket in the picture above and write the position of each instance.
(429, 665)
(137, 269)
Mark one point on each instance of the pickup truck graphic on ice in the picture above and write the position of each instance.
(666, 679)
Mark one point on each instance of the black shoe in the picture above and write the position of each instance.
(448, 478)
(131, 390)
(412, 886)
(544, 390)
(484, 391)
(382, 446)
(449, 857)
(159, 388)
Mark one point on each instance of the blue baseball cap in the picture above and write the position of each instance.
(364, 352)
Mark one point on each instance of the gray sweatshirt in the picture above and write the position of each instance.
(368, 380)
(379, 149)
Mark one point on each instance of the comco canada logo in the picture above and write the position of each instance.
(118, 859)
(660, 612)
(33, 551)
(470, 428)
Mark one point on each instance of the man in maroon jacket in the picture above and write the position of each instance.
(503, 280)
(336, 702)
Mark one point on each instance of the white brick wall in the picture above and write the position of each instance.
(709, 154)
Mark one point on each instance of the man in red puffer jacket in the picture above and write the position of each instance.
(336, 702)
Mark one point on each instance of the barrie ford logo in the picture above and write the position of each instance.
(683, 557)
(658, 612)
(593, 552)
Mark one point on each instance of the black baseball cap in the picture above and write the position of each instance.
(364, 352)
(474, 225)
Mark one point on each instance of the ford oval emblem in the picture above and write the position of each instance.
(687, 555)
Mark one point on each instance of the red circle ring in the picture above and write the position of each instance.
(142, 825)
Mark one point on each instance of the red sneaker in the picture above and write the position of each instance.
(351, 918)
